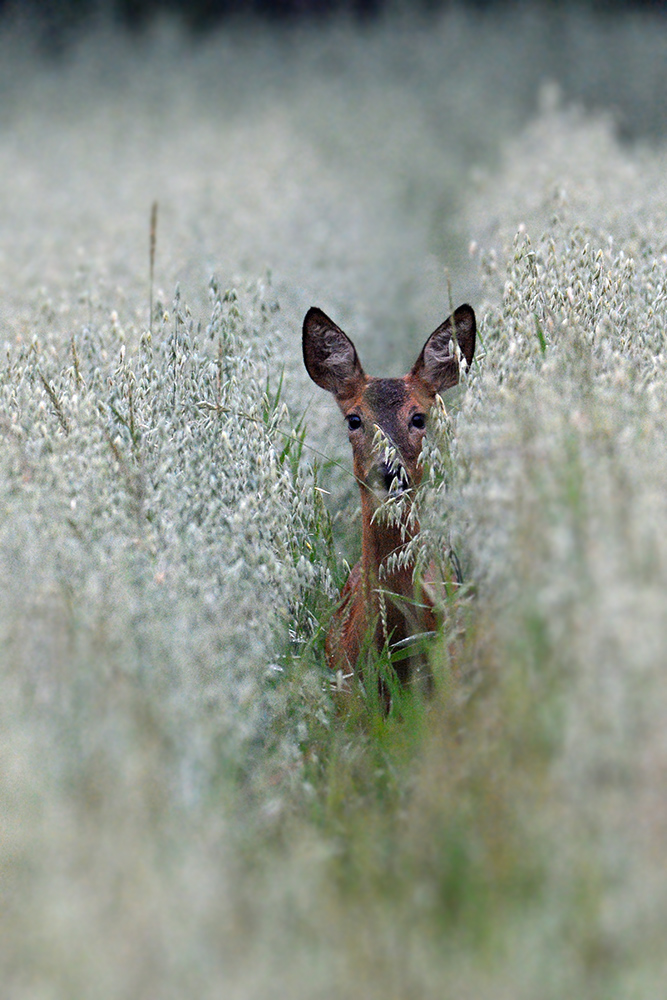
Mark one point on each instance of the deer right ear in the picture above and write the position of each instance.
(437, 365)
(330, 356)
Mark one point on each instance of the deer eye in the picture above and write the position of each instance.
(418, 420)
(354, 421)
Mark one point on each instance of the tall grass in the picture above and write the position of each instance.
(185, 812)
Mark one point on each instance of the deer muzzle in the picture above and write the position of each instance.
(393, 478)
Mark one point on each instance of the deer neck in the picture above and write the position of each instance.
(379, 542)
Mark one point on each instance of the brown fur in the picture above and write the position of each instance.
(379, 607)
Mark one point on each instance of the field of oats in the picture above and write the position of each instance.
(182, 811)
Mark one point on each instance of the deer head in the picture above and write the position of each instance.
(399, 407)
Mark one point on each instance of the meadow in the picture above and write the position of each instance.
(184, 810)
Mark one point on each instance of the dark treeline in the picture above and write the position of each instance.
(58, 20)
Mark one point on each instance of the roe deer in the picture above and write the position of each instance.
(379, 605)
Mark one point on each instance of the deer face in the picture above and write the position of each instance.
(400, 412)
(398, 407)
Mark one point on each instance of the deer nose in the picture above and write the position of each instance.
(394, 474)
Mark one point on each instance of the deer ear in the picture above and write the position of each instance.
(437, 366)
(330, 356)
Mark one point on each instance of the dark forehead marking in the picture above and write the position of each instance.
(385, 397)
(386, 394)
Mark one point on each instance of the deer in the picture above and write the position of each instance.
(380, 604)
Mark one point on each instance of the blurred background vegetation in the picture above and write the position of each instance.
(183, 811)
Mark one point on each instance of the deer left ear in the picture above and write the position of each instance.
(330, 356)
(437, 366)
